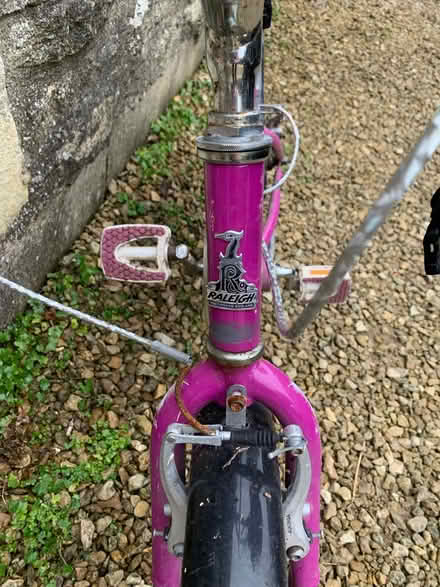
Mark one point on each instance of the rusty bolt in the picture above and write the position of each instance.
(236, 401)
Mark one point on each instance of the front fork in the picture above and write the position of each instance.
(208, 382)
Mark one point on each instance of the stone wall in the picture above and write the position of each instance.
(80, 80)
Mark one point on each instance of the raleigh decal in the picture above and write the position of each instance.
(231, 292)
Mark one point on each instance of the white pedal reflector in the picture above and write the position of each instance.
(312, 276)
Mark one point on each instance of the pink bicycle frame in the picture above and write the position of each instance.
(234, 196)
(234, 149)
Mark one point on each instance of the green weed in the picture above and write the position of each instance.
(4, 422)
(85, 387)
(134, 208)
(25, 347)
(176, 216)
(85, 271)
(111, 313)
(40, 523)
(81, 276)
(43, 428)
(179, 116)
(43, 525)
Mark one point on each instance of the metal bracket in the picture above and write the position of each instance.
(236, 398)
(295, 443)
(297, 539)
(172, 484)
(294, 504)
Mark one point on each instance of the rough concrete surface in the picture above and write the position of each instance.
(82, 80)
(12, 178)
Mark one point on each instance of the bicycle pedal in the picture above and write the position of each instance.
(312, 276)
(119, 253)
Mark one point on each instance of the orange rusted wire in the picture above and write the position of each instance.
(194, 423)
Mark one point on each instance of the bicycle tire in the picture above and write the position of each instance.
(234, 530)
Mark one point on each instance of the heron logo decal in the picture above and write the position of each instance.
(231, 291)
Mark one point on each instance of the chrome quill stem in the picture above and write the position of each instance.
(234, 49)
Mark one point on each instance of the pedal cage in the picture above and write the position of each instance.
(117, 253)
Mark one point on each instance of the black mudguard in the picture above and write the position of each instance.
(234, 531)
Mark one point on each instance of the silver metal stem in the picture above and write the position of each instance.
(234, 46)
(234, 52)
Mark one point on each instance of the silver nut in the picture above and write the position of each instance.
(295, 553)
(182, 252)
(178, 549)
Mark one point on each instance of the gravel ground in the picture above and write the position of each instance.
(362, 80)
